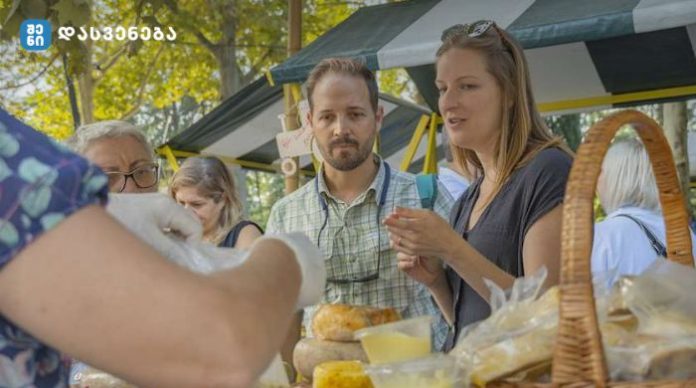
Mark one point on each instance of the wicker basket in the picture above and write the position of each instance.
(578, 358)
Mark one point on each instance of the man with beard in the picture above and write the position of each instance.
(341, 210)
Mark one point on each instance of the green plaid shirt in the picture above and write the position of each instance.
(354, 241)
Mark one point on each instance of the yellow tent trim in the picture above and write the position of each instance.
(296, 93)
(269, 78)
(616, 99)
(243, 163)
(430, 165)
(415, 140)
(169, 154)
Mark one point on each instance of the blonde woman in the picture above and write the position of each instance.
(204, 185)
(508, 222)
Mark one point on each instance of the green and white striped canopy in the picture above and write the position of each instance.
(582, 53)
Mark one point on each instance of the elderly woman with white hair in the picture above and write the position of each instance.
(121, 150)
(633, 234)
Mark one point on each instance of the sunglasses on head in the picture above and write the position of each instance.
(471, 30)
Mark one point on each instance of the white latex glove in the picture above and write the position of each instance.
(311, 263)
(158, 220)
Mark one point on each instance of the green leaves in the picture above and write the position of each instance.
(72, 12)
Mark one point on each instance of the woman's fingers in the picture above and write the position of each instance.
(408, 212)
(396, 222)
(405, 265)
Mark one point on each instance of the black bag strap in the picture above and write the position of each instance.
(654, 242)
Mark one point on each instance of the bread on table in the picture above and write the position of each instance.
(338, 322)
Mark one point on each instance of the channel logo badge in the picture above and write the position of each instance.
(35, 34)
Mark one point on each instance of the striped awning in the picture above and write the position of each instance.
(582, 53)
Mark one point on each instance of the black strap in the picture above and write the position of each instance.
(654, 242)
(231, 239)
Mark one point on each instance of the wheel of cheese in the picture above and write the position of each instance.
(310, 352)
(338, 322)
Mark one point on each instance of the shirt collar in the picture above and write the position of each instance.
(376, 185)
(631, 210)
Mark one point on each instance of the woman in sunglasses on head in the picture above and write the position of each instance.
(508, 223)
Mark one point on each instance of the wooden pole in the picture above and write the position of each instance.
(292, 122)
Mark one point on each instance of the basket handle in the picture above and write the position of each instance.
(578, 353)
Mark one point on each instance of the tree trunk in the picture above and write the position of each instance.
(674, 116)
(72, 96)
(230, 79)
(226, 52)
(85, 83)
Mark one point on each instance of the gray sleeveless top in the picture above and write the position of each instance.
(530, 192)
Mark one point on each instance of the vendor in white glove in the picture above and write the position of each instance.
(89, 288)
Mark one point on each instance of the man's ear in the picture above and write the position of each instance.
(379, 116)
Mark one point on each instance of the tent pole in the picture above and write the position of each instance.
(171, 159)
(415, 140)
(430, 165)
(290, 96)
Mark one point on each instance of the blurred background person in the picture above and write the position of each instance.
(633, 234)
(205, 185)
(121, 150)
(454, 177)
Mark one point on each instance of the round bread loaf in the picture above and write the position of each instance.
(338, 322)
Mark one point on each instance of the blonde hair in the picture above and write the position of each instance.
(627, 168)
(210, 177)
(524, 133)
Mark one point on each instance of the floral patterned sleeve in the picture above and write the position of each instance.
(41, 184)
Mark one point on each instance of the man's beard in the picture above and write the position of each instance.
(347, 160)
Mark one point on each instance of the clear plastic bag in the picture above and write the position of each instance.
(89, 377)
(662, 343)
(663, 298)
(516, 341)
(205, 258)
(518, 334)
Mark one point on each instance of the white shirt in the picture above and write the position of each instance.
(620, 245)
(453, 181)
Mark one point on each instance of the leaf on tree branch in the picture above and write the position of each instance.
(143, 84)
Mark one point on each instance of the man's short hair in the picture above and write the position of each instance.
(346, 66)
(89, 133)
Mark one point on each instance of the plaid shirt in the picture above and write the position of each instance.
(355, 242)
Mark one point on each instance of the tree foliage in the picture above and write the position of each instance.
(221, 45)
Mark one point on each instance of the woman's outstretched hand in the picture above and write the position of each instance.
(419, 232)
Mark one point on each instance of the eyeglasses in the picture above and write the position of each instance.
(471, 30)
(144, 177)
(356, 279)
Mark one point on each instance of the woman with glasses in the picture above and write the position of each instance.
(122, 152)
(204, 185)
(508, 222)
